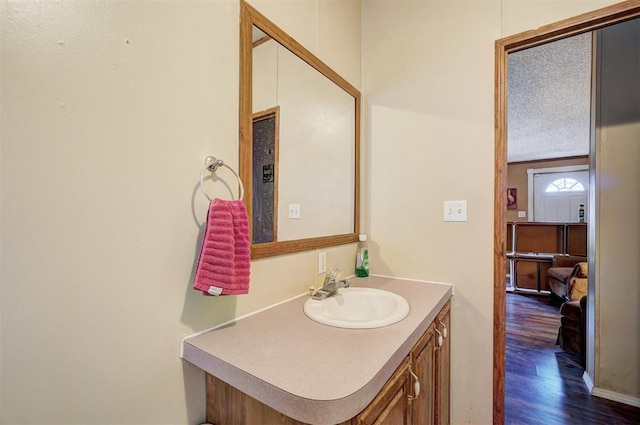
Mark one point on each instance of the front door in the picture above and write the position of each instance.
(557, 196)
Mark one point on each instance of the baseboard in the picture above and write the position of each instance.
(609, 395)
(613, 396)
(588, 382)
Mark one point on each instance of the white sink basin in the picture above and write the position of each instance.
(358, 308)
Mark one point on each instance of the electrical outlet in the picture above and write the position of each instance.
(294, 210)
(322, 262)
(455, 210)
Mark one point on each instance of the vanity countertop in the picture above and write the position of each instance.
(312, 372)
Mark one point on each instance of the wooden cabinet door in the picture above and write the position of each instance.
(391, 405)
(443, 367)
(423, 365)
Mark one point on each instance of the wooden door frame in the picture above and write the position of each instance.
(591, 21)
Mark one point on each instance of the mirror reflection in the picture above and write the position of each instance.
(299, 144)
(308, 158)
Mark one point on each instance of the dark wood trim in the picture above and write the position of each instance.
(591, 21)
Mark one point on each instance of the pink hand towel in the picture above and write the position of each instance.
(225, 261)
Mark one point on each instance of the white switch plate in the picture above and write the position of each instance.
(455, 210)
(294, 210)
(522, 214)
(322, 262)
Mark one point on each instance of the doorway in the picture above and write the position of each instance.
(587, 22)
(265, 160)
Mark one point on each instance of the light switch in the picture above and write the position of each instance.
(294, 210)
(522, 214)
(455, 210)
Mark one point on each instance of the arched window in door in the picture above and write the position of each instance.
(565, 185)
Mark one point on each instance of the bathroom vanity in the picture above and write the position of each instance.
(279, 367)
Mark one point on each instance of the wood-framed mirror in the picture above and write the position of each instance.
(299, 143)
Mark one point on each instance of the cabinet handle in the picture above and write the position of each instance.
(440, 339)
(416, 385)
(445, 331)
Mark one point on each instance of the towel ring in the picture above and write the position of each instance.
(212, 164)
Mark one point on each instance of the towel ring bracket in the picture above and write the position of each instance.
(212, 164)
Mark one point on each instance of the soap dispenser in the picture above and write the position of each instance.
(362, 257)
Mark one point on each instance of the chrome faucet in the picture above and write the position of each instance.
(331, 285)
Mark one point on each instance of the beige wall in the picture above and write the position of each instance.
(428, 70)
(517, 177)
(108, 111)
(617, 286)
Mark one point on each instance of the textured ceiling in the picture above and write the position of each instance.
(549, 91)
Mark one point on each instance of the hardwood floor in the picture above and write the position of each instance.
(544, 384)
